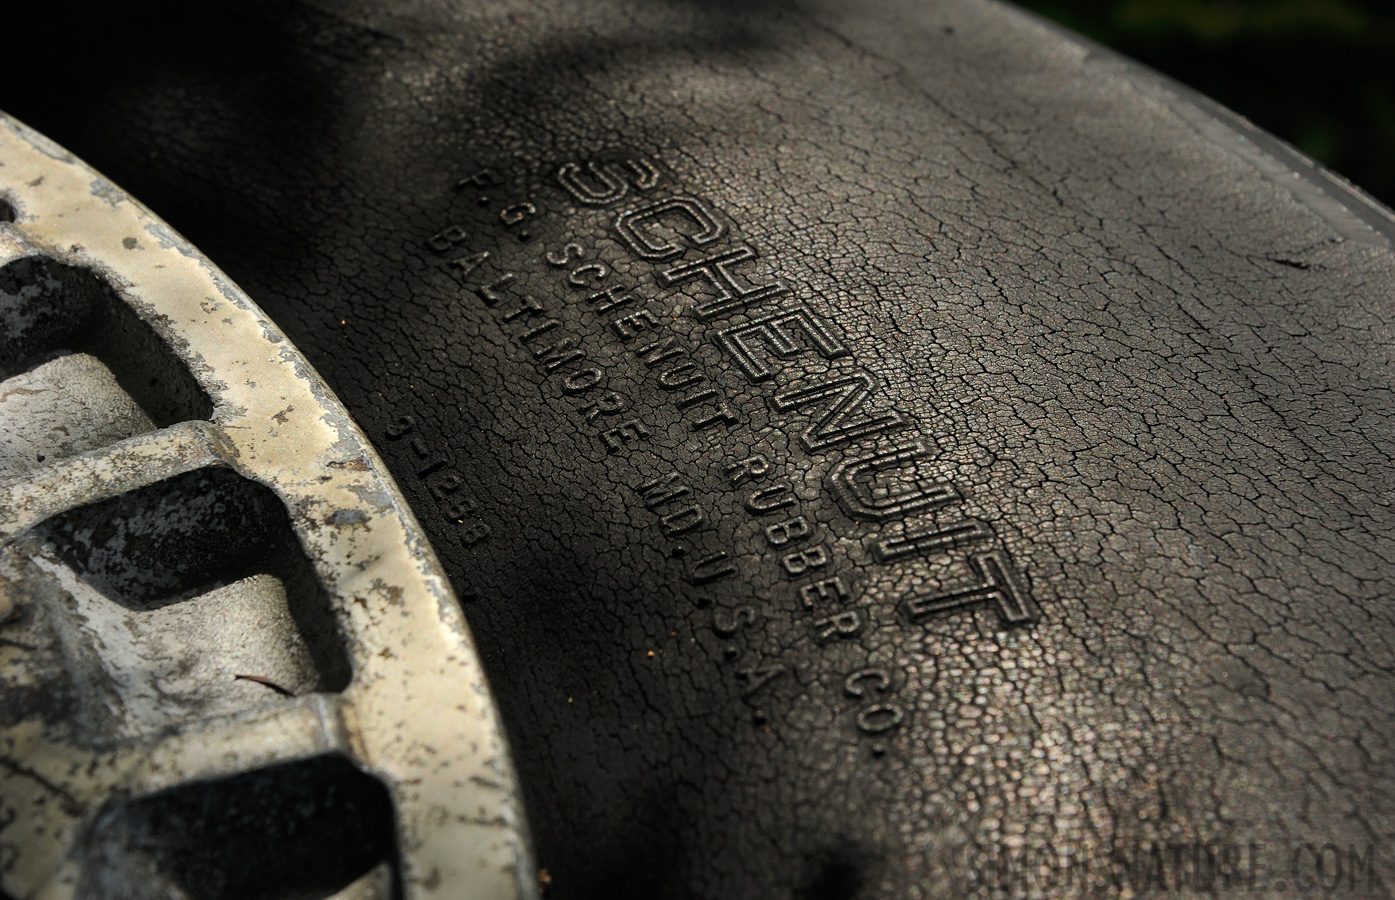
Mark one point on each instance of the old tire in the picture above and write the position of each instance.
(870, 446)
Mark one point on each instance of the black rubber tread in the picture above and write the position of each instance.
(1153, 363)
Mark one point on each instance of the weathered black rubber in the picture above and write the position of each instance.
(870, 439)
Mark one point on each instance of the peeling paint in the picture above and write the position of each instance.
(415, 713)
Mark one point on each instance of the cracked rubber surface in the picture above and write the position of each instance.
(980, 307)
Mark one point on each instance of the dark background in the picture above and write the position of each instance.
(1318, 73)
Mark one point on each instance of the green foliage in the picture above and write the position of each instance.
(1318, 73)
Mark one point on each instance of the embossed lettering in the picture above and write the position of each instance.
(852, 685)
(798, 563)
(855, 483)
(603, 183)
(617, 438)
(462, 266)
(596, 187)
(663, 348)
(609, 404)
(825, 590)
(999, 585)
(768, 500)
(695, 399)
(731, 296)
(923, 542)
(581, 382)
(463, 508)
(528, 307)
(472, 532)
(711, 568)
(880, 718)
(642, 173)
(512, 215)
(845, 624)
(483, 179)
(599, 272)
(776, 334)
(558, 355)
(782, 533)
(722, 416)
(446, 486)
(751, 468)
(627, 328)
(401, 428)
(680, 376)
(662, 490)
(842, 418)
(611, 298)
(490, 292)
(634, 230)
(743, 617)
(538, 331)
(757, 677)
(570, 254)
(447, 238)
(682, 521)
